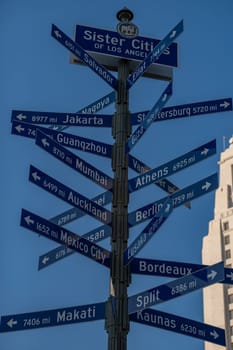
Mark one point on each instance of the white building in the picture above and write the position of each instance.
(218, 246)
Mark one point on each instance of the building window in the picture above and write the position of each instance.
(231, 314)
(231, 330)
(226, 226)
(230, 298)
(228, 265)
(227, 239)
(228, 254)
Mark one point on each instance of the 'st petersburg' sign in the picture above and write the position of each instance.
(49, 318)
(79, 52)
(108, 46)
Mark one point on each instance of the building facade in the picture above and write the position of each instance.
(218, 246)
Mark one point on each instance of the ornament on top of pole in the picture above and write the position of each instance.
(126, 28)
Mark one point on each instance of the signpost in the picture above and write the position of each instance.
(49, 318)
(181, 286)
(112, 50)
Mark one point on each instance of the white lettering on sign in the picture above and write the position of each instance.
(163, 268)
(85, 146)
(76, 315)
(149, 298)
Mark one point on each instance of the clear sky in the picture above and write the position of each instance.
(36, 75)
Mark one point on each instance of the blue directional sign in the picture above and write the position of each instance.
(49, 318)
(68, 216)
(167, 169)
(74, 213)
(75, 162)
(65, 139)
(155, 53)
(83, 55)
(137, 134)
(148, 232)
(185, 326)
(68, 195)
(62, 252)
(109, 44)
(172, 269)
(181, 286)
(187, 194)
(66, 119)
(166, 185)
(93, 107)
(186, 110)
(63, 236)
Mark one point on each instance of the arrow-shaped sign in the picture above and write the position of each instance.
(69, 140)
(176, 288)
(171, 269)
(185, 326)
(155, 53)
(61, 252)
(64, 119)
(11, 323)
(148, 232)
(167, 169)
(187, 194)
(186, 110)
(70, 196)
(137, 134)
(73, 161)
(87, 59)
(63, 236)
(49, 318)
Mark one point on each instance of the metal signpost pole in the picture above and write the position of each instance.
(117, 319)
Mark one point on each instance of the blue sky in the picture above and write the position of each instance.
(36, 75)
